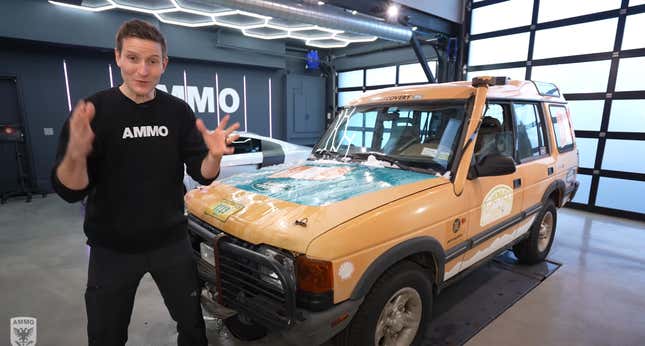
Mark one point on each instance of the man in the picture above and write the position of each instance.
(124, 149)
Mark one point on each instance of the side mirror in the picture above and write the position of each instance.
(493, 165)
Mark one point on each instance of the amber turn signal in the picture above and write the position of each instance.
(314, 276)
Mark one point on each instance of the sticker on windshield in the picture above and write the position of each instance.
(497, 204)
(313, 173)
(223, 210)
(429, 152)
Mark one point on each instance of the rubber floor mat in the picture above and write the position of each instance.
(469, 305)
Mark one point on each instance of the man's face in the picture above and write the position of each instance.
(141, 63)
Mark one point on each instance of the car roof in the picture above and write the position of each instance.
(512, 90)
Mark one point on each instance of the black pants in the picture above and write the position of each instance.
(112, 282)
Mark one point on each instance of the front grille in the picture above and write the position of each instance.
(240, 278)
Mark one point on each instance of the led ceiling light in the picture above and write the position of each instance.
(353, 38)
(105, 7)
(176, 19)
(328, 43)
(393, 11)
(193, 13)
(266, 33)
(311, 34)
(240, 21)
(199, 7)
(141, 9)
(287, 25)
(239, 12)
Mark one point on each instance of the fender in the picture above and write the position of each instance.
(396, 254)
(557, 185)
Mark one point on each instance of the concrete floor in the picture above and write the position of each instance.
(596, 298)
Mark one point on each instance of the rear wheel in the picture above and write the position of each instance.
(536, 247)
(396, 312)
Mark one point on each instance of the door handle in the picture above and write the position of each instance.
(517, 183)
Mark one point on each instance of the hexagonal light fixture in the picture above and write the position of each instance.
(240, 20)
(196, 13)
(328, 43)
(92, 6)
(154, 6)
(352, 37)
(313, 33)
(289, 24)
(266, 32)
(199, 7)
(185, 19)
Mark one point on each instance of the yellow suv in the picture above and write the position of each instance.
(408, 190)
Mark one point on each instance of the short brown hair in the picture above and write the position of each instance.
(140, 29)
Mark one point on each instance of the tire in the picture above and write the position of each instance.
(243, 329)
(405, 289)
(537, 245)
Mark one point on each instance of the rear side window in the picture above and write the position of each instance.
(530, 138)
(561, 128)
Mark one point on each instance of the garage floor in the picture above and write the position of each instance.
(596, 298)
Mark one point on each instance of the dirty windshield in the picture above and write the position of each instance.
(419, 137)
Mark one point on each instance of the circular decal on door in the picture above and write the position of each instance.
(497, 204)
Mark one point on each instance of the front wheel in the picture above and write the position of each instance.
(397, 310)
(537, 245)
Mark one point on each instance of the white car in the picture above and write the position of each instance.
(253, 152)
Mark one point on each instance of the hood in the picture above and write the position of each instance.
(287, 206)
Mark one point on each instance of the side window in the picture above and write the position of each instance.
(530, 139)
(561, 128)
(245, 145)
(495, 134)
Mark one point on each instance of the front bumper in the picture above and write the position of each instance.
(314, 328)
(243, 279)
(235, 285)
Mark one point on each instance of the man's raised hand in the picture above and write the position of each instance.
(217, 141)
(81, 135)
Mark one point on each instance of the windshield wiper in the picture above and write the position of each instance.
(323, 153)
(389, 159)
(380, 156)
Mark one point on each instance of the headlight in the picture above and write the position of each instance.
(285, 261)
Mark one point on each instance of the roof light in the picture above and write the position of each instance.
(320, 3)
(490, 81)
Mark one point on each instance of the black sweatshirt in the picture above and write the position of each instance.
(135, 192)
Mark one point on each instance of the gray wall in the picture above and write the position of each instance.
(43, 92)
(35, 38)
